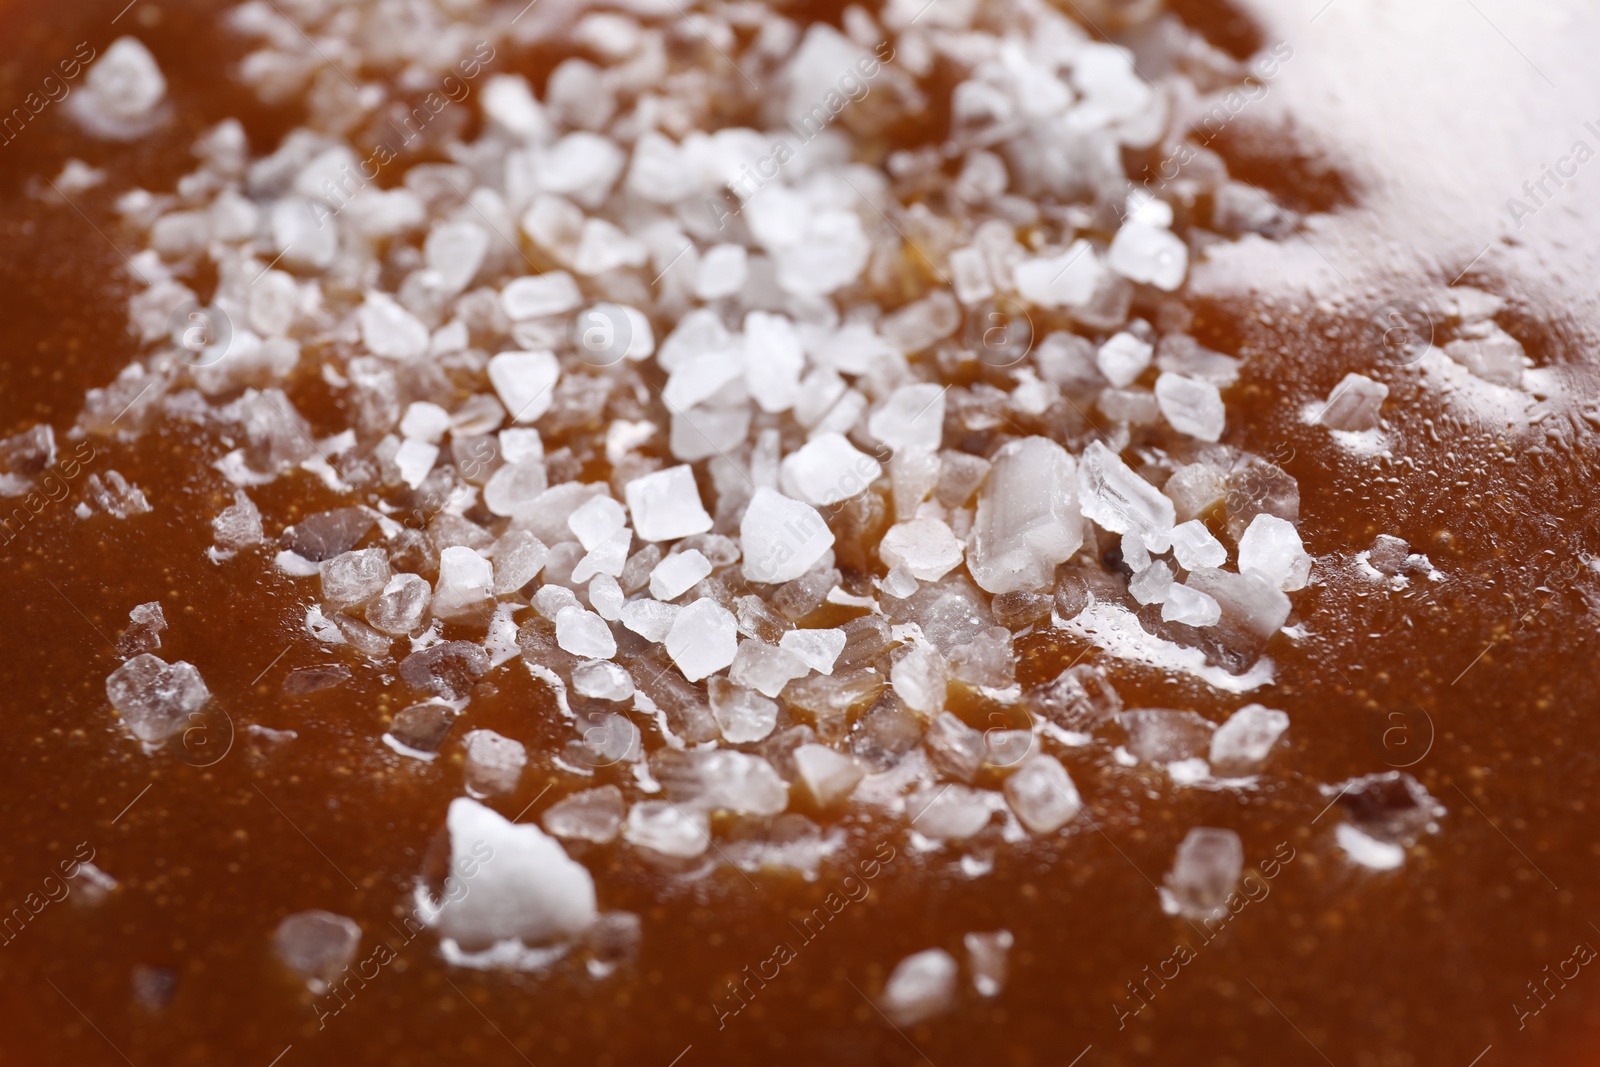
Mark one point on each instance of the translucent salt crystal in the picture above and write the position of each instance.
(389, 330)
(1242, 744)
(1151, 585)
(921, 323)
(677, 574)
(723, 270)
(913, 476)
(817, 649)
(589, 815)
(1249, 599)
(765, 668)
(921, 987)
(540, 295)
(1271, 547)
(926, 548)
(238, 525)
(828, 776)
(949, 812)
(666, 505)
(317, 945)
(525, 382)
(900, 583)
(1080, 698)
(1042, 794)
(1164, 735)
(583, 633)
(325, 534)
(415, 459)
(603, 246)
(465, 583)
(704, 639)
(987, 960)
(969, 274)
(701, 378)
(581, 165)
(828, 469)
(1354, 404)
(1067, 280)
(155, 698)
(1019, 609)
(798, 598)
(743, 714)
(494, 762)
(1490, 353)
(1208, 865)
(424, 421)
(1257, 487)
(955, 748)
(353, 578)
(773, 360)
(1191, 406)
(1134, 555)
(650, 619)
(920, 678)
(121, 91)
(596, 520)
(518, 558)
(146, 623)
(831, 253)
(447, 670)
(1123, 358)
(1190, 606)
(1028, 517)
(1119, 500)
(1194, 546)
(608, 739)
(911, 419)
(1135, 406)
(421, 728)
(402, 606)
(664, 827)
(456, 250)
(782, 538)
(514, 490)
(1151, 255)
(527, 888)
(606, 597)
(602, 680)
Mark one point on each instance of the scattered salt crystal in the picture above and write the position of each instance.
(589, 815)
(921, 987)
(540, 295)
(1271, 547)
(238, 525)
(986, 959)
(666, 505)
(514, 490)
(146, 623)
(817, 649)
(765, 668)
(317, 945)
(700, 379)
(1191, 406)
(389, 330)
(415, 459)
(353, 578)
(1119, 500)
(518, 558)
(1150, 255)
(424, 421)
(677, 574)
(828, 469)
(1123, 358)
(156, 698)
(1242, 744)
(1250, 599)
(1354, 404)
(900, 583)
(1134, 554)
(1190, 606)
(1165, 735)
(1042, 794)
(402, 606)
(920, 678)
(1208, 865)
(773, 360)
(1368, 851)
(1194, 546)
(782, 538)
(464, 585)
(529, 890)
(1028, 517)
(743, 715)
(650, 619)
(723, 270)
(912, 419)
(494, 762)
(122, 90)
(704, 639)
(583, 633)
(664, 827)
(596, 520)
(924, 547)
(606, 597)
(1151, 585)
(602, 680)
(955, 748)
(524, 382)
(456, 250)
(1066, 280)
(828, 776)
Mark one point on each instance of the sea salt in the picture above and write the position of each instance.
(828, 776)
(402, 606)
(1119, 500)
(828, 469)
(1190, 606)
(677, 574)
(156, 698)
(1028, 520)
(540, 295)
(353, 578)
(525, 382)
(1191, 406)
(1243, 743)
(743, 715)
(389, 330)
(665, 828)
(650, 619)
(666, 505)
(1149, 254)
(703, 639)
(317, 945)
(1123, 358)
(925, 548)
(588, 815)
(466, 581)
(494, 762)
(583, 633)
(1042, 794)
(817, 649)
(912, 419)
(1354, 404)
(782, 538)
(1271, 547)
(1207, 867)
(1194, 546)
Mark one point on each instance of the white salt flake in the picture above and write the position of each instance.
(389, 330)
(912, 419)
(723, 270)
(817, 649)
(743, 715)
(921, 987)
(1191, 406)
(1207, 867)
(1354, 404)
(424, 421)
(664, 827)
(926, 548)
(830, 777)
(773, 361)
(1042, 794)
(666, 505)
(650, 619)
(678, 573)
(1271, 547)
(1194, 546)
(596, 520)
(1028, 518)
(415, 459)
(1190, 606)
(525, 382)
(1150, 255)
(704, 639)
(537, 296)
(782, 538)
(1119, 500)
(1243, 743)
(583, 633)
(1067, 280)
(1123, 358)
(465, 584)
(828, 469)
